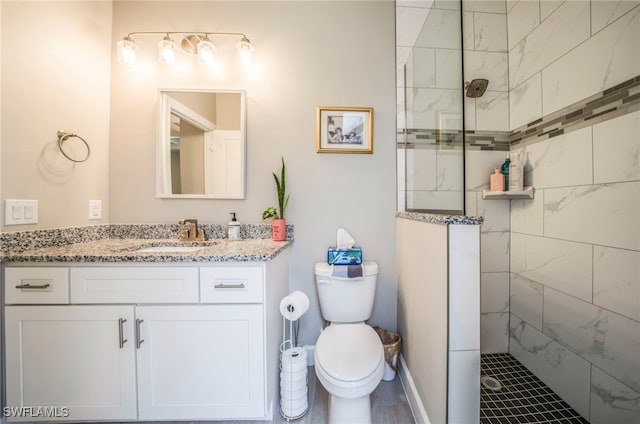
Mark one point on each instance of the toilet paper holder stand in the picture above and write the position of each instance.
(290, 409)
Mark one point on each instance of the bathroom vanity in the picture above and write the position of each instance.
(132, 335)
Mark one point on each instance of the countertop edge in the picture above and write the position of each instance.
(441, 219)
(32, 256)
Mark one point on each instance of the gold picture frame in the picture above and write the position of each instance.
(344, 129)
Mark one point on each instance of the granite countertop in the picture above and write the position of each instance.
(124, 250)
(441, 219)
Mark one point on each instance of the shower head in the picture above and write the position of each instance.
(476, 88)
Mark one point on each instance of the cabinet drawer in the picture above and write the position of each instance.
(231, 285)
(36, 285)
(134, 285)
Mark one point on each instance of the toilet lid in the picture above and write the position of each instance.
(349, 352)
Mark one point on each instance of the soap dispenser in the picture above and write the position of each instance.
(233, 229)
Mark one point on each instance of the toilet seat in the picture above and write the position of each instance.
(349, 360)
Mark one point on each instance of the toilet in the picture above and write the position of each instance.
(349, 357)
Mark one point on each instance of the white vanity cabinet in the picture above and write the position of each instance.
(145, 342)
(70, 356)
(199, 362)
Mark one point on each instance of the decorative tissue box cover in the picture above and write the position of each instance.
(351, 256)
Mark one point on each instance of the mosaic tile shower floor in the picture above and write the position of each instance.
(523, 397)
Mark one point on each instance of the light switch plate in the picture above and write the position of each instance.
(20, 211)
(95, 209)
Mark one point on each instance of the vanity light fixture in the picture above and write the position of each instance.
(197, 43)
(206, 52)
(127, 51)
(167, 51)
(245, 51)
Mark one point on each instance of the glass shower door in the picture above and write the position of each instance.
(430, 118)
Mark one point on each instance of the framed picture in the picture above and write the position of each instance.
(344, 130)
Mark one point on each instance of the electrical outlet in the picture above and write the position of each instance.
(20, 211)
(95, 209)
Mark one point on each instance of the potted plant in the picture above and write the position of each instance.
(278, 223)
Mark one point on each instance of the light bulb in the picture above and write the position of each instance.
(127, 51)
(245, 51)
(167, 51)
(206, 52)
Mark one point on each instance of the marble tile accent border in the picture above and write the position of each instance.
(616, 101)
(441, 219)
(613, 102)
(451, 139)
(488, 140)
(20, 241)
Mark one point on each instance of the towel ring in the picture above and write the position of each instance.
(64, 136)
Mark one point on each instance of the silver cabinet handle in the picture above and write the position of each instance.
(121, 338)
(34, 286)
(229, 286)
(139, 341)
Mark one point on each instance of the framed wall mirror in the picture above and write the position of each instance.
(201, 144)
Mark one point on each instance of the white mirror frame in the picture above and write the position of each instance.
(167, 106)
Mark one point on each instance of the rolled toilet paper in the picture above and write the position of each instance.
(294, 359)
(293, 306)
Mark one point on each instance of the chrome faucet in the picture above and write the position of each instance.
(191, 232)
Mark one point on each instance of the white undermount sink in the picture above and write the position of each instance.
(170, 246)
(168, 249)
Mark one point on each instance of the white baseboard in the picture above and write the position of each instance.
(415, 403)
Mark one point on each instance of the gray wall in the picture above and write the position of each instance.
(308, 54)
(56, 61)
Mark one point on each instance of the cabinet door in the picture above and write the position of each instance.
(69, 358)
(201, 362)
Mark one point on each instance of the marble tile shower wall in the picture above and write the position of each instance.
(575, 248)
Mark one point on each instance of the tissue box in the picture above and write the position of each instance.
(351, 256)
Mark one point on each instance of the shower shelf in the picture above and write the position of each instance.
(527, 193)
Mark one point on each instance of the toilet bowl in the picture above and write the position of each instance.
(349, 362)
(349, 356)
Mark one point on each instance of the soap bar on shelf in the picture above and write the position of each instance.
(352, 256)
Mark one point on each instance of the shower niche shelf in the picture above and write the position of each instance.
(527, 193)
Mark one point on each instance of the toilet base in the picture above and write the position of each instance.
(349, 411)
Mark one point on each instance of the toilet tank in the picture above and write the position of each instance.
(346, 300)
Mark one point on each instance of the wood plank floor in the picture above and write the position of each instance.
(390, 406)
